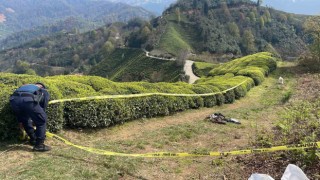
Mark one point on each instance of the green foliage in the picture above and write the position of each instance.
(9, 82)
(172, 40)
(133, 65)
(310, 62)
(233, 27)
(248, 42)
(202, 68)
(312, 27)
(255, 66)
(30, 21)
(300, 124)
(107, 112)
(68, 52)
(23, 67)
(286, 97)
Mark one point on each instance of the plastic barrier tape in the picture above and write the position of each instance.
(142, 95)
(185, 154)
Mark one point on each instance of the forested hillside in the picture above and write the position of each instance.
(98, 52)
(155, 6)
(227, 29)
(23, 16)
(234, 27)
(71, 24)
(65, 52)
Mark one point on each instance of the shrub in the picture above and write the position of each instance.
(107, 112)
(202, 69)
(309, 62)
(255, 73)
(255, 66)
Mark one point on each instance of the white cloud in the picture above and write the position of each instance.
(10, 10)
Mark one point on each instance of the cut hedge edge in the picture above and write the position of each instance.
(107, 112)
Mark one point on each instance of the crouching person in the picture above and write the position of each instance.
(29, 103)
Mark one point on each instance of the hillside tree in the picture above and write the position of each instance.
(261, 22)
(76, 60)
(23, 67)
(267, 16)
(252, 17)
(178, 13)
(312, 27)
(225, 9)
(248, 42)
(108, 48)
(234, 29)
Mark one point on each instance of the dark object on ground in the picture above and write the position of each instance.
(41, 148)
(221, 119)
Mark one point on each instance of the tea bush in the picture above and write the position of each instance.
(255, 66)
(107, 112)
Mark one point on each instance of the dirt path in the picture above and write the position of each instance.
(187, 67)
(188, 70)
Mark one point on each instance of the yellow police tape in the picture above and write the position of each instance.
(314, 145)
(142, 95)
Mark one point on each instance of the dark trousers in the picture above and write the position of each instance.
(25, 110)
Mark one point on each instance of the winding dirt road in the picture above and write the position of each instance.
(187, 67)
(188, 70)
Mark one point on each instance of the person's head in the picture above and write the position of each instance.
(40, 85)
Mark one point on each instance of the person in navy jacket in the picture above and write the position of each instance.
(29, 103)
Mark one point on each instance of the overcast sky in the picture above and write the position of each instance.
(310, 7)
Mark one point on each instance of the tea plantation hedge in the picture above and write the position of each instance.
(107, 112)
(256, 66)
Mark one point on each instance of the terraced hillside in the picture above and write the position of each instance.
(227, 27)
(92, 113)
(133, 65)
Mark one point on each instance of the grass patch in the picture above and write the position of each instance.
(172, 41)
(202, 69)
(182, 132)
(133, 65)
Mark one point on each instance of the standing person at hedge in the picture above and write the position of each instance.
(30, 102)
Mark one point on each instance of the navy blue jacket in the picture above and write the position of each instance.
(33, 91)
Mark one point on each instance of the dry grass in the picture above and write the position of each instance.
(181, 132)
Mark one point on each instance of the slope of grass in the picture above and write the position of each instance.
(133, 65)
(172, 40)
(216, 29)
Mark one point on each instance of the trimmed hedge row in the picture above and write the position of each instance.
(202, 69)
(256, 66)
(107, 112)
(8, 83)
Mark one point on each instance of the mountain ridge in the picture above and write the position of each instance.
(222, 31)
(237, 27)
(19, 15)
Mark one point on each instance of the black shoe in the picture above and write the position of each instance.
(41, 148)
(32, 142)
